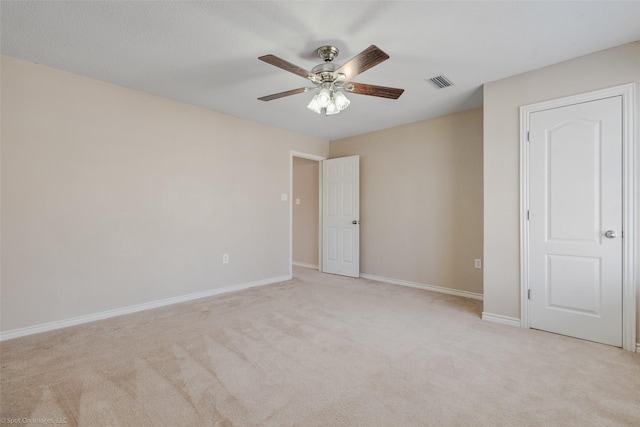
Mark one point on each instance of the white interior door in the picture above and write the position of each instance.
(341, 216)
(575, 220)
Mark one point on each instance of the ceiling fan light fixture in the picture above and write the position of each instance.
(340, 100)
(329, 102)
(324, 97)
(314, 105)
(331, 109)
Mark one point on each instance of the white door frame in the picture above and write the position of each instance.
(318, 159)
(627, 92)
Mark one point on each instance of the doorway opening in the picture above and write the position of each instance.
(305, 219)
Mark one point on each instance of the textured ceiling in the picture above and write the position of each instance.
(205, 53)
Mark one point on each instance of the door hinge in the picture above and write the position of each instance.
(528, 137)
(527, 215)
(528, 293)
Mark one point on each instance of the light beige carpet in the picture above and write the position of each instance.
(318, 350)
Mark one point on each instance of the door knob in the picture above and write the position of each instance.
(354, 222)
(610, 234)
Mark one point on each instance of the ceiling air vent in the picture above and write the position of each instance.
(440, 81)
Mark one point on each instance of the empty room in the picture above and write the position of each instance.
(305, 213)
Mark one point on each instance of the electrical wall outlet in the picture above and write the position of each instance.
(478, 263)
(225, 258)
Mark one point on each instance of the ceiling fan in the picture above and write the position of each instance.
(332, 80)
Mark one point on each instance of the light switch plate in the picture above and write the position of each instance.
(298, 201)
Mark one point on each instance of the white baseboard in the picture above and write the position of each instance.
(305, 265)
(512, 321)
(502, 320)
(440, 289)
(59, 324)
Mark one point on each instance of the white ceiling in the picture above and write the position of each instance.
(205, 53)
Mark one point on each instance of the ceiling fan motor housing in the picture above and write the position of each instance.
(324, 72)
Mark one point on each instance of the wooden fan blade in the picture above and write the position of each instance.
(285, 65)
(282, 94)
(366, 59)
(381, 91)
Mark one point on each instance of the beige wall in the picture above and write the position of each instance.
(306, 215)
(502, 100)
(112, 197)
(421, 200)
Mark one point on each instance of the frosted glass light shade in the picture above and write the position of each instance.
(340, 100)
(314, 105)
(324, 97)
(331, 109)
